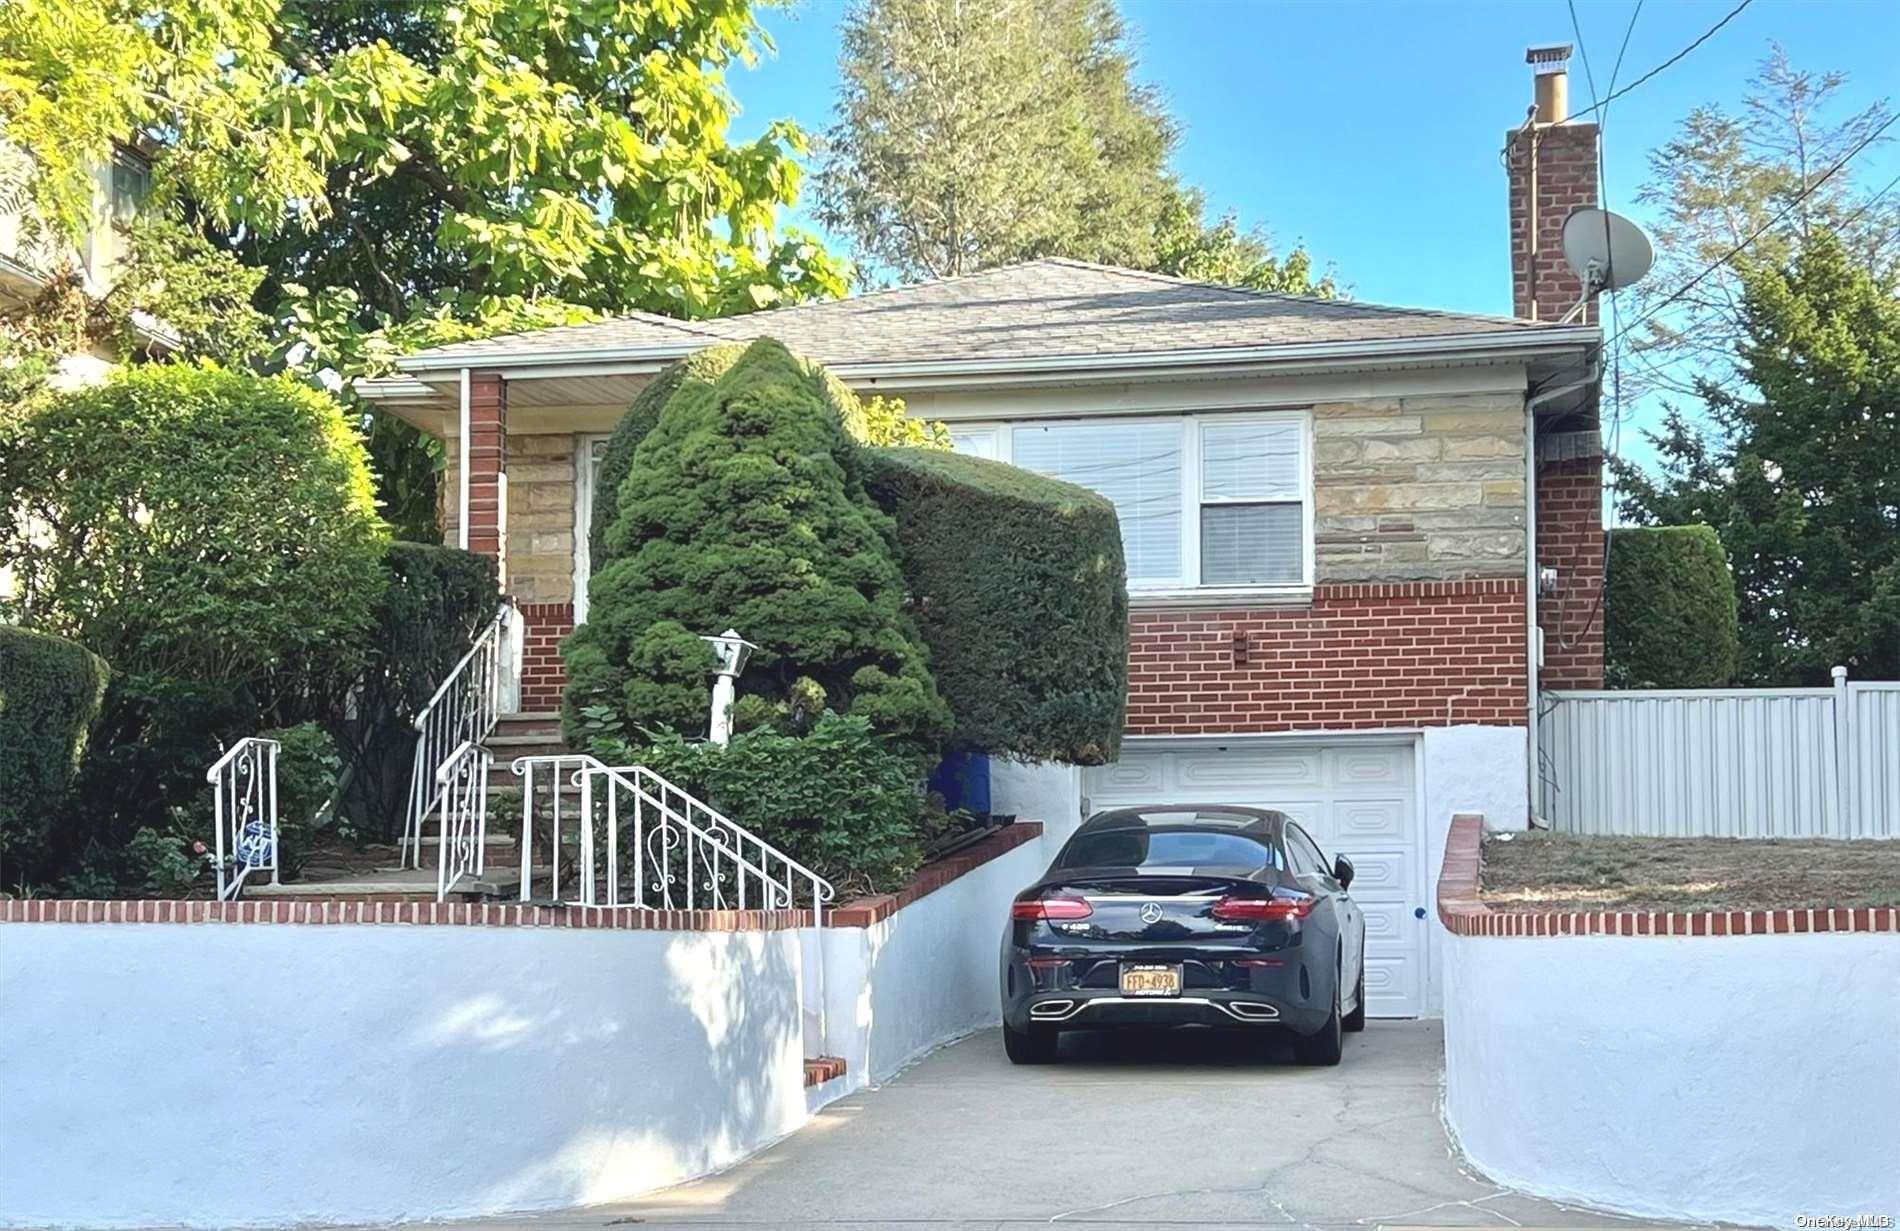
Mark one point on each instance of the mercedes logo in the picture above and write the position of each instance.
(1151, 912)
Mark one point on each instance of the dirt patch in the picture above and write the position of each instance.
(1541, 871)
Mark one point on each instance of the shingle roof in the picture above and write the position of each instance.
(1039, 309)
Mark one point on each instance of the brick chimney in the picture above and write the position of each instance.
(1552, 164)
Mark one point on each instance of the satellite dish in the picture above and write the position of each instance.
(1606, 250)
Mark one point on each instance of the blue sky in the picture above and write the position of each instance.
(1370, 131)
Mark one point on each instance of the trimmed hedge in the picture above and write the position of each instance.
(434, 601)
(1669, 617)
(1018, 585)
(51, 691)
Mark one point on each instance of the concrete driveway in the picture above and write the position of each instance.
(1185, 1129)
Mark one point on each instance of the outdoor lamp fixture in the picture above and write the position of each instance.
(730, 651)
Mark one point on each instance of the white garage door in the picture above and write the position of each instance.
(1356, 799)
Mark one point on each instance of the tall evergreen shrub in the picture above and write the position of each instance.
(1669, 609)
(50, 694)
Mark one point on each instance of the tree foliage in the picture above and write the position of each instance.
(191, 522)
(1668, 609)
(973, 135)
(408, 173)
(1799, 470)
(743, 508)
(1724, 176)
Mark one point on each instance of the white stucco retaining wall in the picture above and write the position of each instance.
(1464, 769)
(224, 1075)
(1746, 1079)
(221, 1075)
(928, 974)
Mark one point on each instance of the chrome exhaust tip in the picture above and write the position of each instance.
(1248, 1011)
(1051, 1008)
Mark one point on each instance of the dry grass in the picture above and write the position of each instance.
(1550, 871)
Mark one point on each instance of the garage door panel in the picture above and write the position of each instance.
(1387, 923)
(1373, 766)
(1137, 775)
(1378, 874)
(1361, 820)
(1256, 770)
(1391, 986)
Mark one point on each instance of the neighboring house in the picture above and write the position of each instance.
(30, 263)
(1359, 538)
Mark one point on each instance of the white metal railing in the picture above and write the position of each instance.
(462, 711)
(644, 842)
(461, 801)
(244, 813)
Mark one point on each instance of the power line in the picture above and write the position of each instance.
(1764, 228)
(1672, 60)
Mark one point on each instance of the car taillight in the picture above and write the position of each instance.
(1264, 910)
(1050, 908)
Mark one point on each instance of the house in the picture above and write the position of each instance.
(1359, 538)
(31, 262)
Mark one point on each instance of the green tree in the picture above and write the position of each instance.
(973, 135)
(1799, 472)
(743, 507)
(409, 171)
(1727, 174)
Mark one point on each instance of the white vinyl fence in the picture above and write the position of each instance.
(1739, 763)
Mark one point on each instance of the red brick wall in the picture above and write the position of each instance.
(1362, 656)
(1542, 286)
(543, 675)
(487, 461)
(1570, 540)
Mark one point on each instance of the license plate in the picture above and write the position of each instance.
(1151, 980)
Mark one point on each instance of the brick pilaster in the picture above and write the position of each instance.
(487, 467)
(1570, 539)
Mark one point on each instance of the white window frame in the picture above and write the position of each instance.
(584, 446)
(1191, 590)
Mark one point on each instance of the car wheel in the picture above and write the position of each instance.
(1325, 1046)
(1356, 1020)
(1030, 1046)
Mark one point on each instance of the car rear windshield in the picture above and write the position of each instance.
(1168, 849)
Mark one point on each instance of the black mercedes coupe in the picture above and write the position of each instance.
(1186, 915)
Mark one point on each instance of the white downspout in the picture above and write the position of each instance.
(1533, 640)
(461, 467)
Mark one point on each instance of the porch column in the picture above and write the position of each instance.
(485, 453)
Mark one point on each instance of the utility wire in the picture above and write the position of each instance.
(1672, 60)
(1765, 227)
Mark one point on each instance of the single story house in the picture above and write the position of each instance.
(1360, 539)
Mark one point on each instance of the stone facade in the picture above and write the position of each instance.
(541, 518)
(1425, 488)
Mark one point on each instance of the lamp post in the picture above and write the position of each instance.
(730, 650)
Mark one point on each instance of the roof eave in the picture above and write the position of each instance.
(1526, 344)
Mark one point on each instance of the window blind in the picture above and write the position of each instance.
(1137, 466)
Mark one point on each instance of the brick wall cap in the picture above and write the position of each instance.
(1464, 913)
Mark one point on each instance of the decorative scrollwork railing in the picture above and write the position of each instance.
(244, 813)
(461, 801)
(463, 710)
(645, 842)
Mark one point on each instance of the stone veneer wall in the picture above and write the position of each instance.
(1424, 488)
(541, 518)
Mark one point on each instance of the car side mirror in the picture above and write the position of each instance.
(1342, 871)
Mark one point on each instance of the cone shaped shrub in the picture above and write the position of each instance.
(742, 509)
